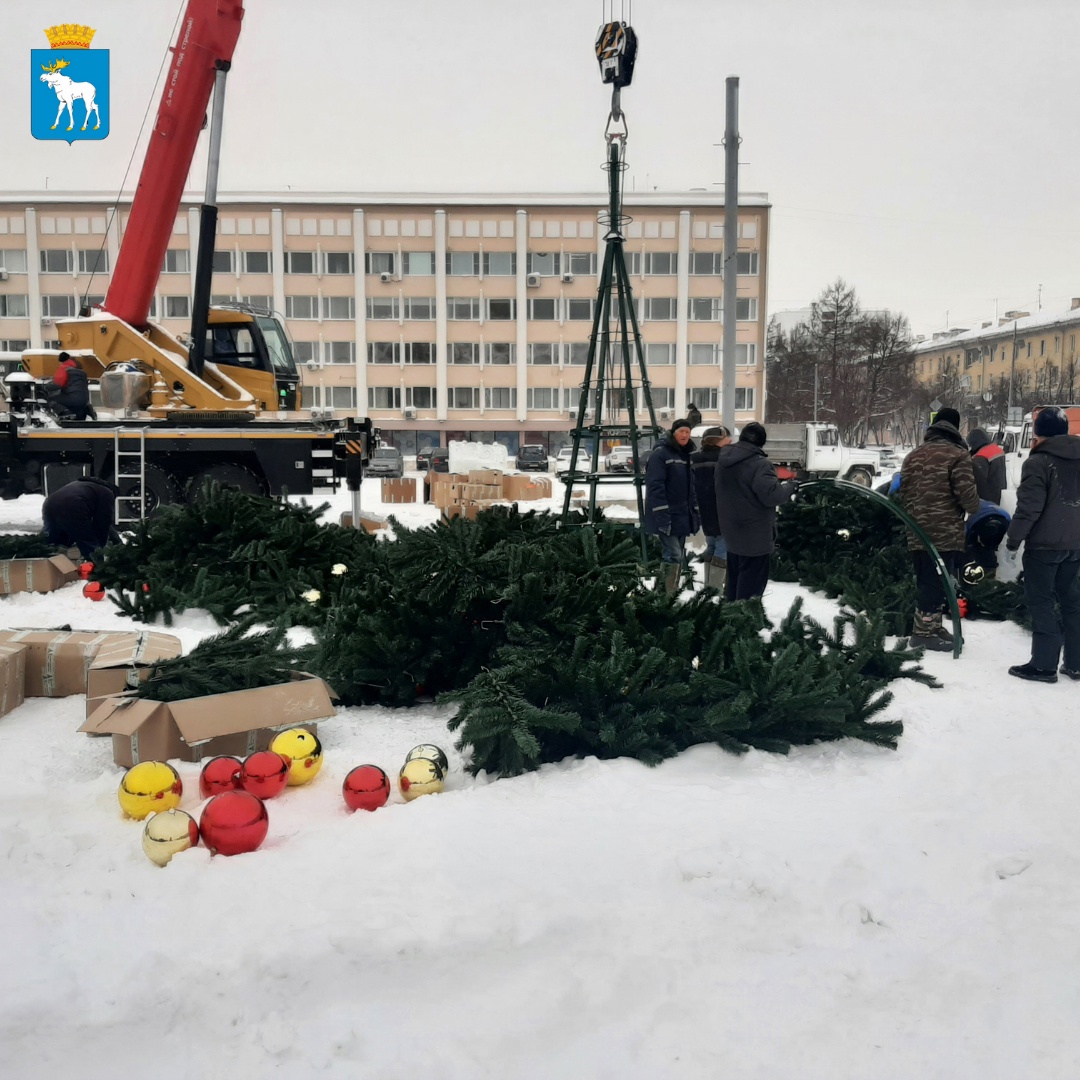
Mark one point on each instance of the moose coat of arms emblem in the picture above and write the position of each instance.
(67, 80)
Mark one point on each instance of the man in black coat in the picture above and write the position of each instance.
(671, 510)
(748, 492)
(1047, 520)
(703, 470)
(81, 514)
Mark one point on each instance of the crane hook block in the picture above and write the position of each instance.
(616, 51)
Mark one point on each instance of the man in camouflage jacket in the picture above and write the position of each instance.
(937, 488)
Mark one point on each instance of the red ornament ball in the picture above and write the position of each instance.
(265, 774)
(146, 587)
(367, 787)
(220, 774)
(94, 590)
(233, 823)
(85, 570)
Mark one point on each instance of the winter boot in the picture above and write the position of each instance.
(929, 634)
(716, 573)
(1033, 674)
(672, 574)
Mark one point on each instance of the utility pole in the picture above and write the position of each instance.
(731, 252)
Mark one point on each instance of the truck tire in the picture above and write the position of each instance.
(862, 477)
(225, 475)
(161, 489)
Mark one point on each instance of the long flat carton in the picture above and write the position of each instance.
(369, 522)
(124, 661)
(12, 677)
(485, 476)
(57, 660)
(237, 723)
(401, 490)
(517, 487)
(36, 575)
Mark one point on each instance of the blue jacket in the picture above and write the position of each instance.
(670, 502)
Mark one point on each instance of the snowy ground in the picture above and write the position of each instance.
(844, 912)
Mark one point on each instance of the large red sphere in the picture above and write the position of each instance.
(265, 774)
(220, 774)
(85, 570)
(233, 822)
(367, 787)
(94, 590)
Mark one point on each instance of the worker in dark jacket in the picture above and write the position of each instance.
(1047, 521)
(72, 394)
(988, 463)
(937, 488)
(748, 492)
(81, 514)
(703, 470)
(671, 510)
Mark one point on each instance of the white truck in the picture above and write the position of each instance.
(815, 451)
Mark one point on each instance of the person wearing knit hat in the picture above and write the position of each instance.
(988, 461)
(1047, 522)
(703, 470)
(671, 510)
(937, 488)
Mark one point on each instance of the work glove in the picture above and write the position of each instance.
(1010, 559)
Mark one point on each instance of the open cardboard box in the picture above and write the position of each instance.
(12, 677)
(57, 660)
(36, 575)
(237, 723)
(124, 661)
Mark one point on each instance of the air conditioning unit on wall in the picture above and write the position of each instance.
(568, 277)
(532, 281)
(664, 414)
(409, 412)
(386, 276)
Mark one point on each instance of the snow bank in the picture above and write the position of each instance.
(471, 455)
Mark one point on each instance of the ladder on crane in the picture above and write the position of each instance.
(129, 466)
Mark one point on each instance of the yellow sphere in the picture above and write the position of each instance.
(149, 787)
(167, 833)
(304, 752)
(420, 776)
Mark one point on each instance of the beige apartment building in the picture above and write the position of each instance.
(439, 316)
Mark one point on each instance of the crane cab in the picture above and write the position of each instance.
(255, 348)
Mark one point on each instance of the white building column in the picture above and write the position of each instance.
(440, 314)
(360, 299)
(522, 234)
(33, 282)
(682, 314)
(277, 258)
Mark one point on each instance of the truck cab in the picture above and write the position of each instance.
(256, 348)
(809, 451)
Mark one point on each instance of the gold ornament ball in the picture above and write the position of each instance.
(973, 574)
(430, 752)
(168, 833)
(844, 534)
(149, 787)
(421, 776)
(304, 752)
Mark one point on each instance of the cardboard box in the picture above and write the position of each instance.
(237, 723)
(57, 660)
(36, 575)
(446, 494)
(124, 661)
(516, 487)
(399, 491)
(485, 476)
(12, 677)
(370, 522)
(480, 492)
(447, 478)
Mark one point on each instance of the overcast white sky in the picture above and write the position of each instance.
(924, 150)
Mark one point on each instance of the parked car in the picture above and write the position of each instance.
(439, 461)
(532, 458)
(386, 461)
(620, 459)
(562, 459)
(423, 458)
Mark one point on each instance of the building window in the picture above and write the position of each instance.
(302, 307)
(419, 352)
(419, 263)
(338, 262)
(544, 263)
(661, 262)
(304, 351)
(579, 308)
(93, 261)
(384, 397)
(14, 306)
(256, 262)
(465, 352)
(13, 260)
(463, 263)
(463, 397)
(500, 263)
(744, 398)
(421, 397)
(379, 262)
(177, 261)
(746, 354)
(263, 303)
(342, 397)
(577, 353)
(705, 309)
(1042, 347)
(500, 352)
(746, 309)
(543, 354)
(461, 308)
(340, 352)
(544, 308)
(704, 397)
(747, 263)
(56, 261)
(177, 307)
(501, 309)
(706, 262)
(705, 354)
(580, 262)
(339, 307)
(500, 397)
(660, 308)
(542, 397)
(378, 307)
(299, 262)
(659, 355)
(421, 308)
(383, 352)
(223, 262)
(663, 397)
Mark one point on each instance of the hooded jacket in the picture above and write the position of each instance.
(81, 513)
(670, 503)
(988, 463)
(937, 487)
(1048, 498)
(748, 492)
